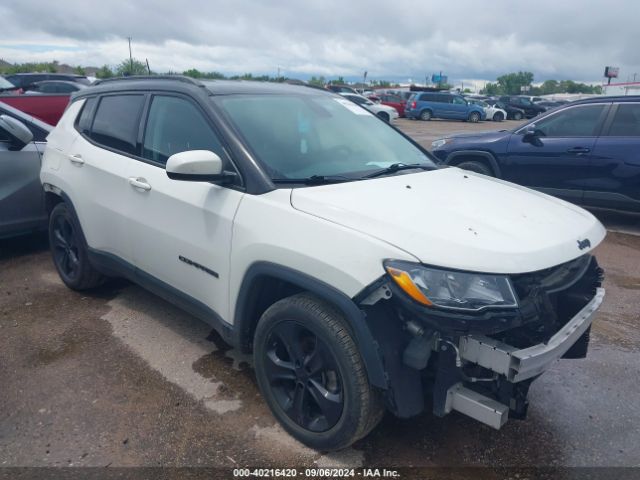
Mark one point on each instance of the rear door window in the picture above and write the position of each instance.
(626, 122)
(117, 122)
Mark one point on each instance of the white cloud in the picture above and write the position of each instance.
(401, 39)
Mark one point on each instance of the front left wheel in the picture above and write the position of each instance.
(311, 374)
(69, 251)
(474, 117)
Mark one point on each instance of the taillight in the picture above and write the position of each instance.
(414, 105)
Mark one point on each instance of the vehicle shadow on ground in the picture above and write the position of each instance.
(24, 245)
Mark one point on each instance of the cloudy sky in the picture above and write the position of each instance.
(399, 39)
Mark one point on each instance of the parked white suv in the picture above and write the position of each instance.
(362, 277)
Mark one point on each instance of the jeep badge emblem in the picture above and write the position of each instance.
(582, 244)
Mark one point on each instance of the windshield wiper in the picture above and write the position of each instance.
(396, 167)
(314, 179)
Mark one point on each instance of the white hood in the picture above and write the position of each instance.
(458, 219)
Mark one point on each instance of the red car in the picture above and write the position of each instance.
(48, 108)
(393, 101)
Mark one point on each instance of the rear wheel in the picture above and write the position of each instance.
(517, 116)
(69, 252)
(474, 117)
(498, 117)
(425, 115)
(475, 166)
(311, 374)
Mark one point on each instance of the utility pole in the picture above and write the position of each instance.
(278, 73)
(130, 58)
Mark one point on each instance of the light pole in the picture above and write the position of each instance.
(130, 58)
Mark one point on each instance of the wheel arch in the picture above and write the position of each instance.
(52, 197)
(455, 158)
(265, 283)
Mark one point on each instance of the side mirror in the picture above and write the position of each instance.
(197, 166)
(18, 132)
(530, 133)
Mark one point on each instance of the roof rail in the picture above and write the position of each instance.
(176, 78)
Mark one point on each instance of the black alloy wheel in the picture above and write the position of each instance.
(311, 374)
(64, 247)
(304, 377)
(69, 250)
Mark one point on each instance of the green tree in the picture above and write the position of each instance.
(319, 81)
(548, 87)
(511, 83)
(79, 70)
(492, 89)
(193, 73)
(104, 72)
(134, 67)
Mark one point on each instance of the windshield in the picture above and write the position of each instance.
(299, 136)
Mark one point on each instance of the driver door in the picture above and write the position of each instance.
(181, 230)
(556, 159)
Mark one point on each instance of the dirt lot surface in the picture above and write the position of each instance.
(118, 377)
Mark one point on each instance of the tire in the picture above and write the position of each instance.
(517, 116)
(384, 116)
(498, 117)
(475, 166)
(311, 374)
(69, 251)
(474, 117)
(425, 115)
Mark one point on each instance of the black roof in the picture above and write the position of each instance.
(182, 83)
(613, 98)
(23, 74)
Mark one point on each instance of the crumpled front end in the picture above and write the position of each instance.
(483, 364)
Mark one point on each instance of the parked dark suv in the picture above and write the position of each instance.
(24, 80)
(587, 152)
(524, 103)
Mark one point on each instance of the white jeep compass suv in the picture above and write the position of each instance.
(308, 231)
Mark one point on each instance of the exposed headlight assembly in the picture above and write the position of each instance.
(433, 287)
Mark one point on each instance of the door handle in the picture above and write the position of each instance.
(579, 150)
(77, 159)
(140, 183)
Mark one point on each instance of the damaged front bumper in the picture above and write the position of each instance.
(515, 365)
(482, 364)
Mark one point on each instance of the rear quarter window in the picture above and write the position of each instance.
(83, 121)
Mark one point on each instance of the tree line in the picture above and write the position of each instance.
(512, 83)
(508, 84)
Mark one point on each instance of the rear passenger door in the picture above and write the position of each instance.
(97, 168)
(181, 230)
(613, 179)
